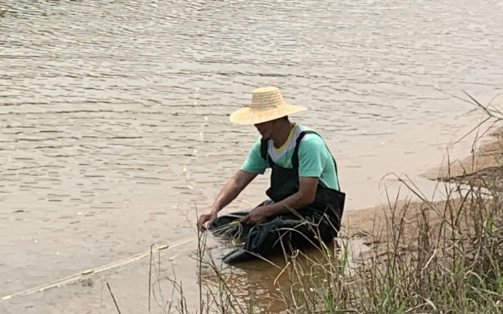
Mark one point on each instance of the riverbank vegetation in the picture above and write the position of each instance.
(424, 257)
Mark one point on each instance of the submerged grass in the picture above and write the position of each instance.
(428, 257)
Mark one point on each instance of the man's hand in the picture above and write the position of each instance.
(229, 192)
(256, 216)
(208, 217)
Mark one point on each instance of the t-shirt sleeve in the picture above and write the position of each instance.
(254, 163)
(312, 158)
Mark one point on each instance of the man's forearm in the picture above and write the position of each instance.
(231, 189)
(228, 193)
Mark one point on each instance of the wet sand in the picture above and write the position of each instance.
(115, 127)
(483, 167)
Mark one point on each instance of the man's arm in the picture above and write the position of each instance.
(231, 189)
(303, 197)
(229, 192)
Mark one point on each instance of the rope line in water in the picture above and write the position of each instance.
(87, 272)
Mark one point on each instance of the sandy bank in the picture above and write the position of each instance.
(484, 169)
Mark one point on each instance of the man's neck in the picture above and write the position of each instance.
(282, 133)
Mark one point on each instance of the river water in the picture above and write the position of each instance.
(115, 131)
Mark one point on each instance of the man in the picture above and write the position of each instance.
(304, 192)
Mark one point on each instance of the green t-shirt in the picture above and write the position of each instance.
(315, 160)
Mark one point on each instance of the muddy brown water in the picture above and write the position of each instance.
(114, 120)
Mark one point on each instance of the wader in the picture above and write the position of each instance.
(320, 220)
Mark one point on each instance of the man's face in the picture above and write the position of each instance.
(265, 129)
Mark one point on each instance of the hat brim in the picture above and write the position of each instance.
(254, 116)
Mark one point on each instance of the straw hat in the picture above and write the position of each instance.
(267, 104)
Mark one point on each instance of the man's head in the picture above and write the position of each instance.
(268, 128)
(266, 111)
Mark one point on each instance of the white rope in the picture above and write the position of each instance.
(88, 272)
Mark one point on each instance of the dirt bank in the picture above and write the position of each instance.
(483, 169)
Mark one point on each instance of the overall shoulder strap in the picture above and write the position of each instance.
(264, 151)
(295, 157)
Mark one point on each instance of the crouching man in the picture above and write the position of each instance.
(305, 203)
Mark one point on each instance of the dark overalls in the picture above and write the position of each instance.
(320, 220)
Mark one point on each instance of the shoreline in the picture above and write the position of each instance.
(483, 168)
